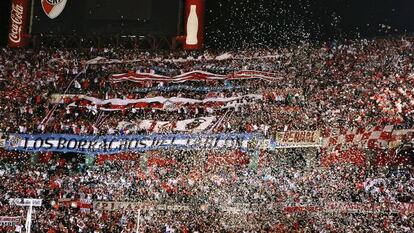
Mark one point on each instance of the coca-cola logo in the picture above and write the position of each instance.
(16, 23)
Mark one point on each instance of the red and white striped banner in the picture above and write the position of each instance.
(370, 138)
(159, 102)
(330, 207)
(193, 76)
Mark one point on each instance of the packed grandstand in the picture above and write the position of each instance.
(319, 139)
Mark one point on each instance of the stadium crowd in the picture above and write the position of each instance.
(353, 84)
(359, 83)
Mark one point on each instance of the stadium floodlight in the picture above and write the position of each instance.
(27, 202)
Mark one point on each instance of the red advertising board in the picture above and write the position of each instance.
(18, 23)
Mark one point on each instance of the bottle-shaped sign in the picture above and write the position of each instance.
(192, 27)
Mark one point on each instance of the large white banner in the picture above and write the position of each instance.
(171, 103)
(25, 202)
(113, 206)
(195, 125)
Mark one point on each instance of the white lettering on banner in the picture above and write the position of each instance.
(2, 143)
(6, 221)
(17, 23)
(113, 206)
(25, 202)
(111, 144)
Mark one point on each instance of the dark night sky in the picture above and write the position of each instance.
(270, 22)
(4, 20)
(235, 23)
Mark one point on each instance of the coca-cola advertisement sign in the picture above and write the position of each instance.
(18, 19)
(194, 24)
